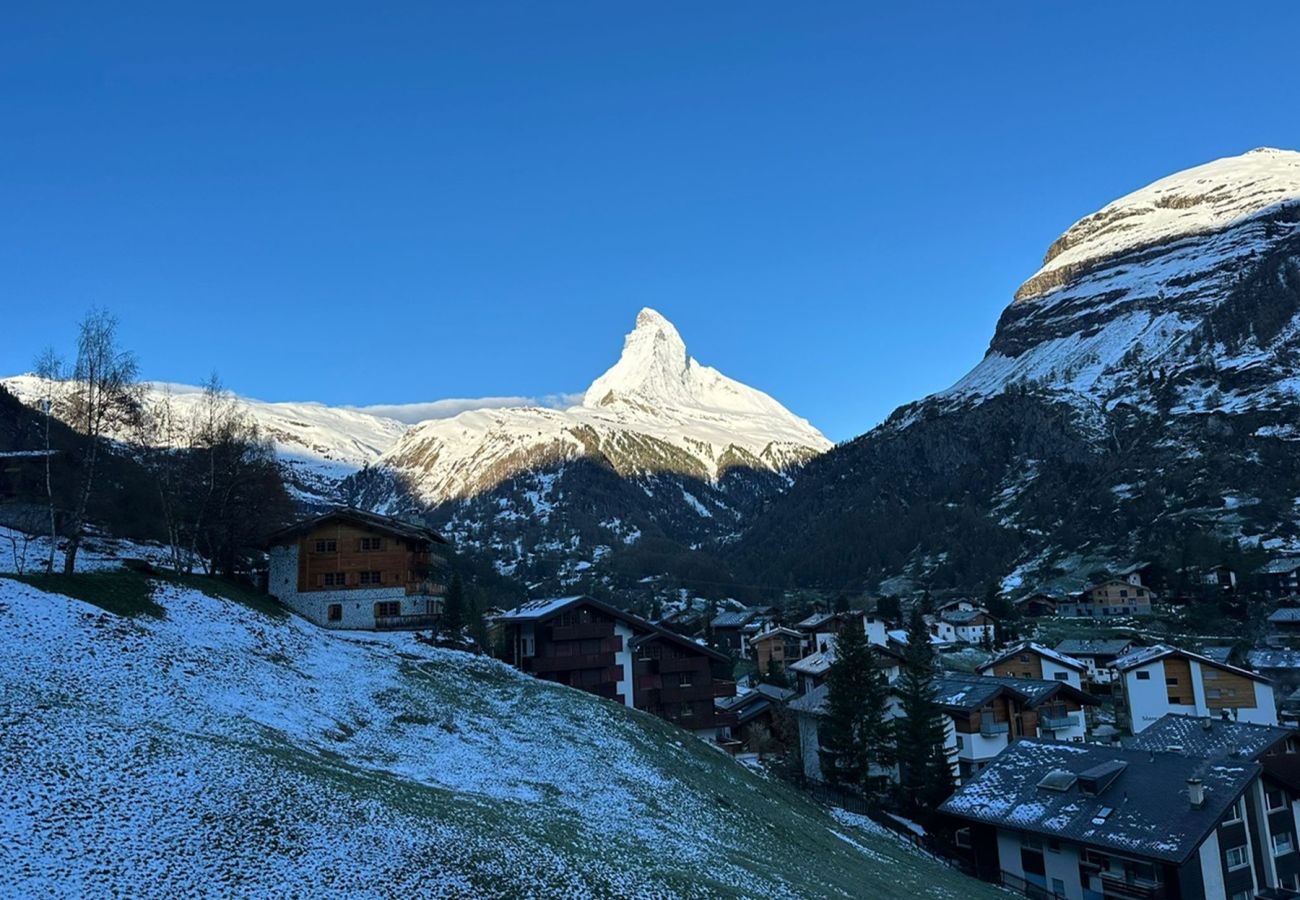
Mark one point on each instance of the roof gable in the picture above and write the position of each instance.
(1037, 650)
(362, 519)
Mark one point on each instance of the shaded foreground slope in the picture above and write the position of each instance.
(213, 748)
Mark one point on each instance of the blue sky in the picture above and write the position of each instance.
(389, 203)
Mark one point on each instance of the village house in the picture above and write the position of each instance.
(1156, 681)
(1113, 597)
(984, 716)
(969, 626)
(1089, 822)
(756, 728)
(1030, 660)
(810, 672)
(1282, 667)
(1285, 624)
(729, 629)
(1037, 606)
(585, 644)
(780, 645)
(358, 570)
(1097, 654)
(1281, 577)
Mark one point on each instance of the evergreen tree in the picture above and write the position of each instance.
(453, 606)
(855, 735)
(925, 771)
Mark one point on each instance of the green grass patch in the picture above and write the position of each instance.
(121, 593)
(229, 590)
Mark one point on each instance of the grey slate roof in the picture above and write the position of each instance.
(1285, 614)
(1093, 646)
(1034, 691)
(1218, 654)
(733, 619)
(1283, 566)
(1274, 659)
(753, 703)
(1055, 656)
(1207, 738)
(1142, 811)
(962, 616)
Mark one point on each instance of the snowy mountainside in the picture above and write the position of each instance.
(1141, 389)
(317, 445)
(214, 745)
(661, 446)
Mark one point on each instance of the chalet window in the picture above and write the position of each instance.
(1237, 858)
(372, 578)
(335, 579)
(1274, 800)
(1175, 700)
(1234, 813)
(687, 711)
(684, 679)
(372, 543)
(1283, 843)
(326, 546)
(1024, 657)
(335, 612)
(1061, 676)
(1209, 674)
(961, 837)
(1172, 680)
(388, 608)
(1214, 693)
(1143, 676)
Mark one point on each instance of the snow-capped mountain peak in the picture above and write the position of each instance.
(653, 367)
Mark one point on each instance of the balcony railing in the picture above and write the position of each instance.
(585, 631)
(1131, 890)
(398, 623)
(567, 663)
(989, 728)
(1057, 723)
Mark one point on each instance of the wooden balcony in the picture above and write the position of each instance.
(541, 664)
(582, 632)
(724, 689)
(724, 719)
(1131, 890)
(682, 664)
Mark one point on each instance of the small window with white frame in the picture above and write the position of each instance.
(1274, 799)
(1237, 858)
(1283, 843)
(1234, 813)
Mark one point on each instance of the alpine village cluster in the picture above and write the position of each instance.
(1132, 737)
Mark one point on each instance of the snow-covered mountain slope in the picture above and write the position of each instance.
(1128, 284)
(660, 446)
(656, 410)
(318, 445)
(214, 746)
(1140, 392)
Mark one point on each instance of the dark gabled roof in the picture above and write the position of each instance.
(1208, 738)
(967, 693)
(1285, 614)
(1077, 647)
(963, 616)
(734, 619)
(537, 610)
(1219, 654)
(1284, 566)
(1146, 655)
(753, 703)
(1142, 811)
(1055, 656)
(387, 524)
(1274, 659)
(1033, 692)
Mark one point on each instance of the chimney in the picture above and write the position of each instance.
(1195, 793)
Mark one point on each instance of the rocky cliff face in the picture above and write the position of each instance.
(1141, 388)
(663, 455)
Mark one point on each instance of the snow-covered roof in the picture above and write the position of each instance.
(1060, 659)
(1131, 801)
(1207, 737)
(1283, 566)
(963, 616)
(26, 454)
(1145, 655)
(773, 632)
(539, 609)
(364, 518)
(1076, 647)
(1285, 614)
(733, 619)
(1274, 659)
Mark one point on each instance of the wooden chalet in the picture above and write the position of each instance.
(354, 569)
(586, 644)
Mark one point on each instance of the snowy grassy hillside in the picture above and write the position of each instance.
(191, 744)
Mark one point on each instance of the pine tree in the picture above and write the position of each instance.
(925, 771)
(855, 736)
(453, 606)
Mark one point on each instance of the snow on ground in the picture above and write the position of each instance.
(220, 749)
(28, 552)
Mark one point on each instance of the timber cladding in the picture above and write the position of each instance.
(1227, 690)
(339, 555)
(1022, 665)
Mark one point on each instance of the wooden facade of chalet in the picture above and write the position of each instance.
(352, 569)
(674, 680)
(779, 646)
(583, 643)
(579, 647)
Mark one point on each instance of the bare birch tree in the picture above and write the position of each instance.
(104, 402)
(49, 368)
